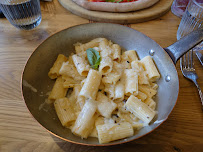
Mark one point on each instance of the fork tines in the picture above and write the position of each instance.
(186, 61)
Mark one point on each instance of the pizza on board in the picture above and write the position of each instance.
(115, 5)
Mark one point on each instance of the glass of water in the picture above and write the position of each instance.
(23, 14)
(178, 7)
(191, 20)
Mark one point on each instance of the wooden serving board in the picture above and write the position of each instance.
(147, 14)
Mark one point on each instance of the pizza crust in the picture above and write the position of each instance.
(116, 7)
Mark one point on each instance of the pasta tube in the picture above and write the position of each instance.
(151, 103)
(131, 54)
(54, 71)
(81, 65)
(131, 82)
(106, 50)
(141, 96)
(129, 117)
(58, 91)
(114, 75)
(116, 56)
(119, 90)
(149, 91)
(110, 90)
(151, 69)
(111, 78)
(106, 65)
(110, 132)
(91, 85)
(68, 70)
(85, 120)
(125, 61)
(139, 109)
(69, 82)
(93, 43)
(94, 133)
(73, 98)
(154, 86)
(104, 105)
(142, 77)
(64, 111)
(98, 121)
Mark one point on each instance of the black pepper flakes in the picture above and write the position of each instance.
(128, 62)
(99, 90)
(124, 100)
(105, 93)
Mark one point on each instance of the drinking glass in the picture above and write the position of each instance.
(23, 14)
(178, 7)
(192, 19)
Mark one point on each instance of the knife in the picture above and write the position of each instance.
(200, 57)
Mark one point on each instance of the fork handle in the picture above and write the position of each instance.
(200, 93)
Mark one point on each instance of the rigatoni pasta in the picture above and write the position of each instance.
(85, 119)
(103, 93)
(65, 111)
(116, 54)
(69, 70)
(139, 109)
(69, 82)
(131, 82)
(109, 89)
(142, 74)
(106, 65)
(151, 69)
(105, 106)
(131, 54)
(54, 71)
(111, 132)
(119, 90)
(58, 91)
(91, 85)
(105, 48)
(80, 48)
(81, 65)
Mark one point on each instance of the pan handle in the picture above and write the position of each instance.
(182, 46)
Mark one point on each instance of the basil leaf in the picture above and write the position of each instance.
(93, 58)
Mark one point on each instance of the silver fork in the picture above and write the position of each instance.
(188, 70)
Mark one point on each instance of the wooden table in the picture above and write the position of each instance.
(183, 131)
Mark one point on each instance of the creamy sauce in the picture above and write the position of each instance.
(26, 84)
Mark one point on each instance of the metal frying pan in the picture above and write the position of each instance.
(36, 83)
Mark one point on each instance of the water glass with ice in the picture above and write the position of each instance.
(23, 14)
